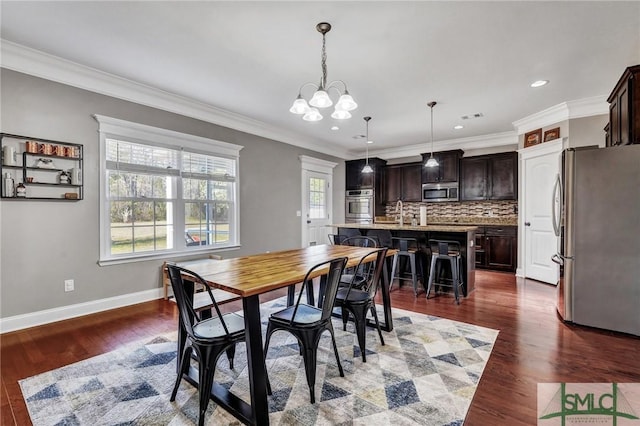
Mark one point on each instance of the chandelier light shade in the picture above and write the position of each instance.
(321, 98)
(431, 162)
(367, 168)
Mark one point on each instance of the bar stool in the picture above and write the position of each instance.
(442, 250)
(407, 247)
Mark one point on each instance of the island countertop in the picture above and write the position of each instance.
(409, 227)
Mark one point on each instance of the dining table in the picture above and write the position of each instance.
(251, 276)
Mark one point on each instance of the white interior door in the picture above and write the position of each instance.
(540, 242)
(317, 200)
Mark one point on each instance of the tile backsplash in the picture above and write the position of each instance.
(503, 209)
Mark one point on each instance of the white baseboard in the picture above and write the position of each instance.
(520, 272)
(47, 316)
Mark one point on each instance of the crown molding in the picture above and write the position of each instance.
(33, 62)
(474, 142)
(596, 105)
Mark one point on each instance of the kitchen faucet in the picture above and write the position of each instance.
(399, 204)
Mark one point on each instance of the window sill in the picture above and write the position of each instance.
(164, 256)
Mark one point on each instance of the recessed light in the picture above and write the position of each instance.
(369, 141)
(335, 128)
(539, 83)
(458, 127)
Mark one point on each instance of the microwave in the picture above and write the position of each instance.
(439, 192)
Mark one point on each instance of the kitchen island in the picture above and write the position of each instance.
(464, 234)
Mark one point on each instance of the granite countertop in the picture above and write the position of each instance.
(409, 227)
(458, 220)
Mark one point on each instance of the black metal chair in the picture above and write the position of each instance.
(208, 338)
(358, 275)
(358, 301)
(336, 239)
(307, 323)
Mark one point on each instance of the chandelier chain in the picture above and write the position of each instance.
(323, 83)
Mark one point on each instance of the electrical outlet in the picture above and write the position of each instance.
(68, 285)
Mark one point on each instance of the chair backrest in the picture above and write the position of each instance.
(444, 247)
(382, 235)
(187, 313)
(372, 279)
(404, 244)
(360, 241)
(336, 239)
(336, 267)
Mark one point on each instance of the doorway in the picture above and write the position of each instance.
(317, 200)
(540, 166)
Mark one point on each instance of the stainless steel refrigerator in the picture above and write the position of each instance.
(597, 219)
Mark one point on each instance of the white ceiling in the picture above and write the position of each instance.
(245, 61)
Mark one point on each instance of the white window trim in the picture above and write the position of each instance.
(114, 128)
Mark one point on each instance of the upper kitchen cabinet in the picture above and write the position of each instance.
(489, 177)
(402, 182)
(355, 179)
(447, 169)
(624, 109)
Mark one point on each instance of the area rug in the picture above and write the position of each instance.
(425, 374)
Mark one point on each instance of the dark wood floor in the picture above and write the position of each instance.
(533, 346)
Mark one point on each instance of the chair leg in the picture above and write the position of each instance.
(206, 372)
(270, 331)
(394, 265)
(375, 317)
(455, 278)
(414, 278)
(309, 356)
(344, 312)
(231, 353)
(335, 348)
(184, 368)
(432, 272)
(359, 314)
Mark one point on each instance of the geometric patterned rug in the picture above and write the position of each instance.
(425, 374)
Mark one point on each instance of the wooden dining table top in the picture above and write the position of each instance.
(261, 273)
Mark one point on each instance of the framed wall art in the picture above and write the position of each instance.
(551, 134)
(532, 138)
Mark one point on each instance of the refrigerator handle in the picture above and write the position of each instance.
(556, 209)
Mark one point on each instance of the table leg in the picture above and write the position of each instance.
(255, 361)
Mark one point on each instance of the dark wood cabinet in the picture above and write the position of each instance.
(355, 179)
(447, 169)
(624, 109)
(402, 182)
(496, 248)
(489, 177)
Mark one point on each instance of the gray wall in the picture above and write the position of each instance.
(44, 243)
(587, 131)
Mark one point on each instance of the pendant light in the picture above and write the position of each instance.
(321, 99)
(431, 162)
(367, 168)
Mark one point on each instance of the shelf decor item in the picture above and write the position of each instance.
(532, 138)
(551, 134)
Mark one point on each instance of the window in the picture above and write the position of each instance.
(165, 192)
(317, 198)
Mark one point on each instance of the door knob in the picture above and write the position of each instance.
(308, 221)
(527, 224)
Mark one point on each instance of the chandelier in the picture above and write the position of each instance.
(431, 162)
(321, 97)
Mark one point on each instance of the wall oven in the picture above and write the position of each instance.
(359, 205)
(439, 192)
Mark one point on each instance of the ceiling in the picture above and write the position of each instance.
(243, 62)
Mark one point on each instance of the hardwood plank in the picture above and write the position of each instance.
(533, 346)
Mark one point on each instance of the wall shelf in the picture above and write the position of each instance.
(46, 185)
